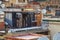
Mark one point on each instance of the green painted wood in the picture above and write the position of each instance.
(52, 20)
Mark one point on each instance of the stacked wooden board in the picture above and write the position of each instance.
(24, 37)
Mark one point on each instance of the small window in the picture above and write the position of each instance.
(57, 13)
(21, 1)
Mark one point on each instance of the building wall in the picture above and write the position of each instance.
(8, 4)
(13, 1)
(55, 3)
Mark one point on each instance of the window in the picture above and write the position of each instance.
(33, 17)
(21, 1)
(54, 6)
(57, 13)
(8, 18)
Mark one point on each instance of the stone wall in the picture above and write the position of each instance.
(54, 27)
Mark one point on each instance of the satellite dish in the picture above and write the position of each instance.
(56, 36)
(0, 2)
(3, 5)
(43, 38)
(43, 11)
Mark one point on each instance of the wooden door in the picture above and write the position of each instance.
(39, 19)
